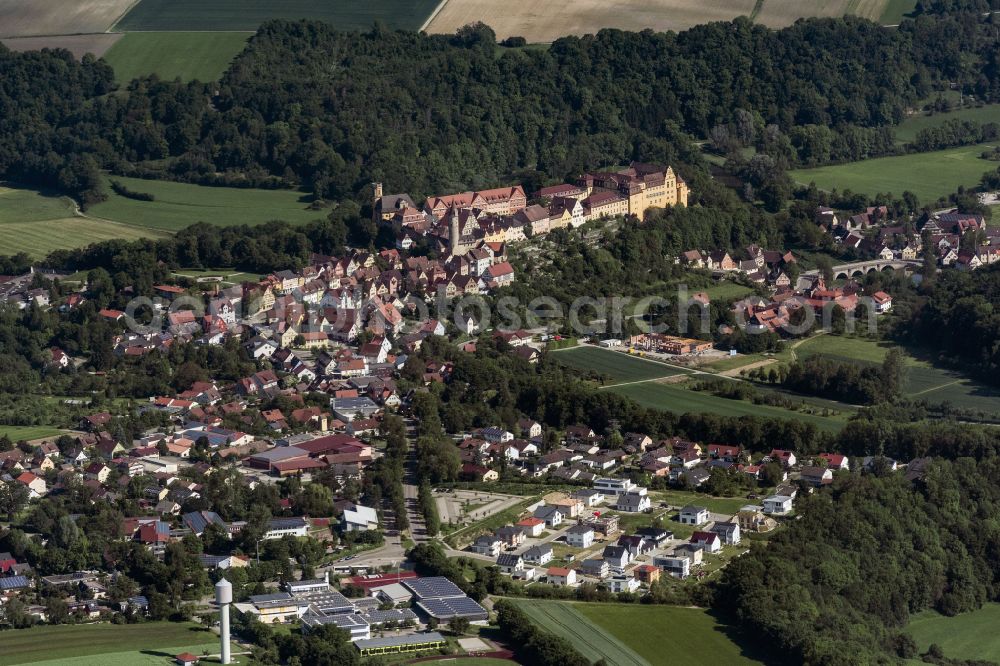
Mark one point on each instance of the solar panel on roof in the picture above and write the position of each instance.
(383, 616)
(14, 583)
(450, 607)
(433, 587)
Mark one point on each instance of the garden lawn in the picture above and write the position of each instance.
(179, 205)
(190, 56)
(928, 175)
(619, 366)
(125, 644)
(970, 635)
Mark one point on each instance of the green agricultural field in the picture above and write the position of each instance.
(190, 56)
(966, 636)
(620, 367)
(179, 205)
(923, 380)
(681, 400)
(27, 433)
(148, 643)
(907, 130)
(152, 15)
(626, 634)
(928, 175)
(37, 223)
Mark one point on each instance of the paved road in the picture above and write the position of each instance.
(418, 529)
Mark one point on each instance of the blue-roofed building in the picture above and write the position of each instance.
(433, 587)
(448, 608)
(352, 623)
(197, 521)
(14, 583)
(281, 527)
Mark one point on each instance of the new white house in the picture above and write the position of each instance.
(693, 515)
(580, 536)
(777, 505)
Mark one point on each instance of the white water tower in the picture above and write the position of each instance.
(224, 597)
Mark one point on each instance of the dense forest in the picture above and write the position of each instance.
(961, 320)
(305, 105)
(838, 585)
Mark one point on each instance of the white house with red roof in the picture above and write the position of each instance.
(835, 460)
(786, 458)
(35, 484)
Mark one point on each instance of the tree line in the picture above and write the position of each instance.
(305, 105)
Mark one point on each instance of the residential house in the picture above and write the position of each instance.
(540, 554)
(580, 536)
(532, 526)
(487, 544)
(596, 567)
(553, 516)
(777, 505)
(817, 476)
(561, 576)
(617, 557)
(693, 515)
(728, 532)
(510, 563)
(633, 503)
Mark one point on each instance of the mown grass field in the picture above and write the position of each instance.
(190, 56)
(625, 634)
(923, 380)
(680, 400)
(37, 223)
(593, 641)
(620, 367)
(688, 635)
(27, 433)
(149, 643)
(965, 636)
(179, 205)
(928, 175)
(249, 14)
(907, 130)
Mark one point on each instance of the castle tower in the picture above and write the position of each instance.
(454, 237)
